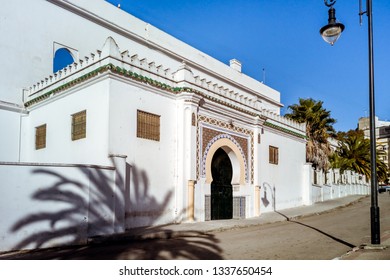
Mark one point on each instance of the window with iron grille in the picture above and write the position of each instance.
(273, 155)
(40, 137)
(79, 125)
(148, 126)
(239, 205)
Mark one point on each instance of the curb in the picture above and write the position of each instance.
(369, 248)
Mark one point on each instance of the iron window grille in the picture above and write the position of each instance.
(148, 126)
(40, 137)
(273, 155)
(79, 125)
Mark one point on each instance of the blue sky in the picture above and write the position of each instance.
(282, 37)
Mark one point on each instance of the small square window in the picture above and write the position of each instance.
(40, 137)
(79, 125)
(148, 126)
(273, 155)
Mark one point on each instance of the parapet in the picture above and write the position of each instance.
(110, 58)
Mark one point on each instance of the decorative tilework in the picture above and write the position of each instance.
(209, 134)
(247, 140)
(216, 138)
(193, 120)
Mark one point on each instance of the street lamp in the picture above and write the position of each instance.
(331, 32)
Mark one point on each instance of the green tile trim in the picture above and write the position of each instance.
(286, 130)
(154, 83)
(67, 85)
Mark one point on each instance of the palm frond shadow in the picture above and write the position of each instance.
(87, 210)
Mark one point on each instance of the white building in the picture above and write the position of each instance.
(140, 129)
(382, 133)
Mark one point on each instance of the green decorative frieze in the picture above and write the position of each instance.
(286, 130)
(67, 85)
(146, 80)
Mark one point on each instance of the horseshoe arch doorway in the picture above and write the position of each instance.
(221, 186)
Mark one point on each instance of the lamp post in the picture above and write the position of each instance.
(331, 32)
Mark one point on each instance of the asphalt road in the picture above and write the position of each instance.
(320, 237)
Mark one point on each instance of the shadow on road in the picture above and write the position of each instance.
(195, 246)
(320, 231)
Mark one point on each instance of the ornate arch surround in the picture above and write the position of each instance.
(236, 156)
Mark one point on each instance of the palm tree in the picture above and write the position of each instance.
(353, 154)
(319, 127)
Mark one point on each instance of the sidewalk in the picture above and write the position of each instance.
(174, 230)
(367, 252)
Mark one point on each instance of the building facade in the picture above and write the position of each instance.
(135, 129)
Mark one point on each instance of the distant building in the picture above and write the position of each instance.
(382, 133)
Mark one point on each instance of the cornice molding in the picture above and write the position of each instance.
(156, 84)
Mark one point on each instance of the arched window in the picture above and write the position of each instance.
(62, 58)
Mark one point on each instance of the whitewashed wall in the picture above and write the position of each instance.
(49, 205)
(282, 185)
(60, 148)
(10, 130)
(153, 164)
(46, 205)
(336, 185)
(111, 105)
